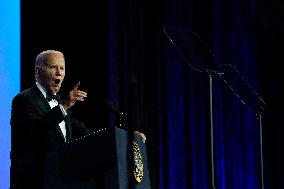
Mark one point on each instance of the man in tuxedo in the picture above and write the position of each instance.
(40, 121)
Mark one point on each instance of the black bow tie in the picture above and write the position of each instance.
(50, 97)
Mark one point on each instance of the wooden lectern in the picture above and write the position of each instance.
(111, 158)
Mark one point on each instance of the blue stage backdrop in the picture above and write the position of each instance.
(172, 99)
(9, 78)
(148, 78)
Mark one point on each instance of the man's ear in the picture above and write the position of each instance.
(37, 70)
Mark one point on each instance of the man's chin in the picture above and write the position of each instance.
(55, 89)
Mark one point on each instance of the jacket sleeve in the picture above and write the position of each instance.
(27, 119)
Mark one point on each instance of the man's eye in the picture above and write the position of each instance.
(51, 66)
(54, 67)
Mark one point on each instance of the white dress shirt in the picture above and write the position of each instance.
(52, 104)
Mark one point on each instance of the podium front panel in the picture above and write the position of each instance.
(101, 160)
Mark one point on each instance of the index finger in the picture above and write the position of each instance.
(76, 85)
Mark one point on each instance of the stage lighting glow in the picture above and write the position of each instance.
(9, 79)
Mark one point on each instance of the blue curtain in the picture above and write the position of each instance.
(167, 95)
(170, 101)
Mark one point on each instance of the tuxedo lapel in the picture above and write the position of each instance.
(44, 107)
(68, 128)
(39, 99)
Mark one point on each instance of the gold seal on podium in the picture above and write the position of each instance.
(138, 168)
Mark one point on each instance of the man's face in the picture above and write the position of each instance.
(52, 73)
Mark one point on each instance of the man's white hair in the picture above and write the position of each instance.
(42, 58)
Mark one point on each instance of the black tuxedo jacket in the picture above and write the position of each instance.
(35, 131)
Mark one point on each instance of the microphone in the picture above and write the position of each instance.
(114, 109)
(121, 117)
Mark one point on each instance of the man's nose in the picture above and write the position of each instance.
(59, 71)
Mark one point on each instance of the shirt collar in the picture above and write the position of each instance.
(42, 89)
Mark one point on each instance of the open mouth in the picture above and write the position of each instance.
(56, 81)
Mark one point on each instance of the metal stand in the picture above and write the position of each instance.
(205, 60)
(210, 74)
(261, 149)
